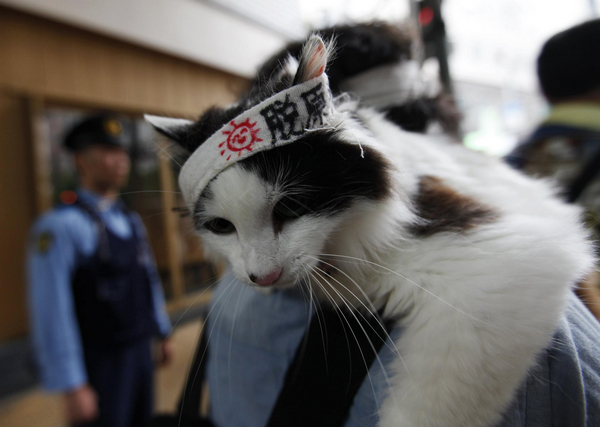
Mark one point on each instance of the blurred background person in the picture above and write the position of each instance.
(566, 145)
(95, 297)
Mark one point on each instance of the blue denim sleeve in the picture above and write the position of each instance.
(160, 310)
(253, 339)
(57, 344)
(563, 388)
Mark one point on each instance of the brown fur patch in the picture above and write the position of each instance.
(443, 209)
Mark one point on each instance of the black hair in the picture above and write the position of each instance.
(569, 64)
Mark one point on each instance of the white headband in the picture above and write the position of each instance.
(275, 122)
(392, 84)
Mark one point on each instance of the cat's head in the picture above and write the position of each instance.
(271, 180)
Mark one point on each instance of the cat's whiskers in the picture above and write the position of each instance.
(372, 310)
(297, 201)
(219, 319)
(208, 287)
(307, 299)
(373, 313)
(353, 334)
(168, 155)
(337, 312)
(149, 191)
(410, 281)
(334, 304)
(213, 305)
(155, 214)
(352, 310)
(307, 294)
(245, 290)
(315, 301)
(192, 229)
(145, 191)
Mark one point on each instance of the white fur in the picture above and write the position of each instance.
(246, 201)
(476, 306)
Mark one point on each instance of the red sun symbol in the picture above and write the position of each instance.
(242, 137)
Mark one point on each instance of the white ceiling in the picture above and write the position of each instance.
(191, 29)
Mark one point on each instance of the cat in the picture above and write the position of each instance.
(295, 187)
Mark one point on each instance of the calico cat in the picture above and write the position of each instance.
(294, 187)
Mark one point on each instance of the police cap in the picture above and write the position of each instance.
(98, 129)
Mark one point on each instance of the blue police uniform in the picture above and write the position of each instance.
(253, 339)
(95, 302)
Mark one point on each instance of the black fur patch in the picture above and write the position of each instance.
(323, 173)
(444, 209)
(414, 116)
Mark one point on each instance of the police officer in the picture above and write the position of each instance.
(94, 293)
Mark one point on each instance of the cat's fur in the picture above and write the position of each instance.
(474, 259)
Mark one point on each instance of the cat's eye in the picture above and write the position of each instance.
(219, 226)
(288, 208)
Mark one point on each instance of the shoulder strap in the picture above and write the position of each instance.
(189, 402)
(188, 408)
(321, 383)
(103, 247)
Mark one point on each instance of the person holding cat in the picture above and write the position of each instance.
(94, 293)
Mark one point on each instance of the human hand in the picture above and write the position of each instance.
(165, 353)
(81, 404)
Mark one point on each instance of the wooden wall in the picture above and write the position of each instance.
(16, 213)
(41, 57)
(45, 63)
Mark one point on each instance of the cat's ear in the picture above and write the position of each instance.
(313, 60)
(175, 129)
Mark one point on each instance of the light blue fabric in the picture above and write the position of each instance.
(73, 235)
(253, 339)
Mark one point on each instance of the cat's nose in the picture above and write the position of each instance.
(267, 280)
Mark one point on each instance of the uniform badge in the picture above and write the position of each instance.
(113, 127)
(44, 242)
